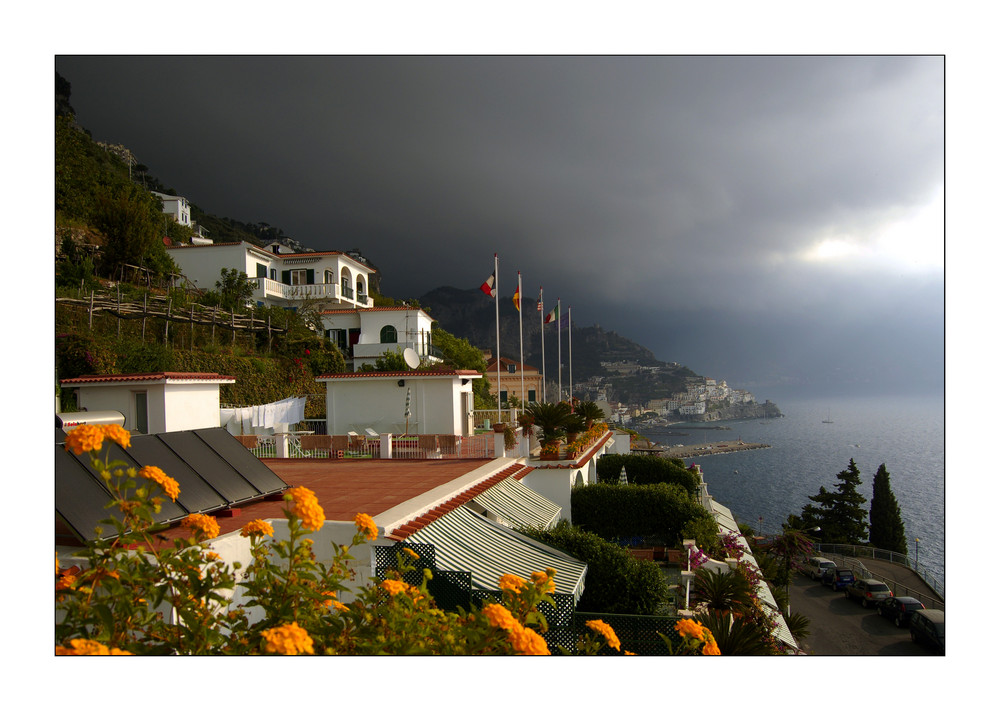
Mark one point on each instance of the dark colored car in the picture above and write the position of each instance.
(838, 578)
(869, 591)
(899, 609)
(927, 627)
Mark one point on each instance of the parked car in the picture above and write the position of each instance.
(869, 591)
(838, 578)
(899, 609)
(927, 627)
(817, 565)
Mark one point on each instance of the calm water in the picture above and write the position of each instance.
(906, 433)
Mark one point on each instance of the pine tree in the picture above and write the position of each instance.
(887, 530)
(840, 514)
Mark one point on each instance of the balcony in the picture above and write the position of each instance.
(275, 292)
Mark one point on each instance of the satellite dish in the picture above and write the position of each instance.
(411, 357)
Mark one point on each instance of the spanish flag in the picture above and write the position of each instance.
(517, 298)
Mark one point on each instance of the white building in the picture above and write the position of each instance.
(364, 335)
(440, 402)
(331, 279)
(154, 402)
(177, 207)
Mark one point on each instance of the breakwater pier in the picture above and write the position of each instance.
(689, 451)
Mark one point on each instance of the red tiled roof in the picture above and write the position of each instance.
(345, 488)
(399, 374)
(518, 471)
(129, 377)
(492, 363)
(373, 309)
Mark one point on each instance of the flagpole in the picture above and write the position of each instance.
(541, 317)
(569, 327)
(496, 303)
(520, 328)
(559, 335)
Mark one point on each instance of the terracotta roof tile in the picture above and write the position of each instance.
(398, 374)
(130, 377)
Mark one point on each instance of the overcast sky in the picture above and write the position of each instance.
(764, 220)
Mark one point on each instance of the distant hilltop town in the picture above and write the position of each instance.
(703, 400)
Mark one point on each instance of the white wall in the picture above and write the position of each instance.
(379, 402)
(191, 406)
(171, 407)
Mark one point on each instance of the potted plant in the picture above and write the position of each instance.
(551, 418)
(590, 411)
(509, 437)
(575, 424)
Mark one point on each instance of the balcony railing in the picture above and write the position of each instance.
(362, 447)
(265, 288)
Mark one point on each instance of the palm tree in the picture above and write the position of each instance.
(590, 411)
(551, 417)
(722, 590)
(735, 636)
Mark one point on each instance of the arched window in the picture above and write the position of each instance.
(388, 334)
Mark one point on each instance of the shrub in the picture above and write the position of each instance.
(613, 511)
(643, 469)
(616, 582)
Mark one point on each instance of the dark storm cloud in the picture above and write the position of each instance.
(641, 190)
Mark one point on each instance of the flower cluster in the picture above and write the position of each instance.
(170, 486)
(513, 583)
(84, 438)
(202, 525)
(366, 525)
(257, 527)
(697, 636)
(605, 630)
(88, 647)
(306, 506)
(287, 639)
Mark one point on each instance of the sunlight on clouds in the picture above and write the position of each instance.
(912, 242)
(917, 242)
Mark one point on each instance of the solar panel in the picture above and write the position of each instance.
(211, 467)
(80, 498)
(242, 460)
(111, 452)
(197, 495)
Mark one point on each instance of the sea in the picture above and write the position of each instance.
(812, 443)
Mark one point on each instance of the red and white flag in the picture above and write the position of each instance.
(489, 286)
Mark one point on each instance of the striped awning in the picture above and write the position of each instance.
(727, 524)
(514, 503)
(465, 541)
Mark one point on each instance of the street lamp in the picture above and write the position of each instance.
(918, 550)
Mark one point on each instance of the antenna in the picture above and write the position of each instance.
(411, 358)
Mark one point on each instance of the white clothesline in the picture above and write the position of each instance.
(289, 411)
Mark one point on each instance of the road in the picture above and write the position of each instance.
(842, 627)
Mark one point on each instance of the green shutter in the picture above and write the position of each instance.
(310, 276)
(286, 277)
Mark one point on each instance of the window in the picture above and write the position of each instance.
(511, 368)
(328, 277)
(531, 396)
(262, 270)
(299, 277)
(139, 400)
(388, 334)
(503, 398)
(274, 275)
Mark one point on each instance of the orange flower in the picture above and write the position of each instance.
(499, 616)
(170, 486)
(117, 433)
(544, 582)
(526, 641)
(257, 527)
(606, 631)
(202, 525)
(711, 648)
(690, 628)
(394, 587)
(287, 639)
(88, 647)
(366, 525)
(412, 553)
(306, 506)
(513, 583)
(84, 438)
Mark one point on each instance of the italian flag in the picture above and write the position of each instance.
(553, 315)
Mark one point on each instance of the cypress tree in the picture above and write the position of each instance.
(887, 530)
